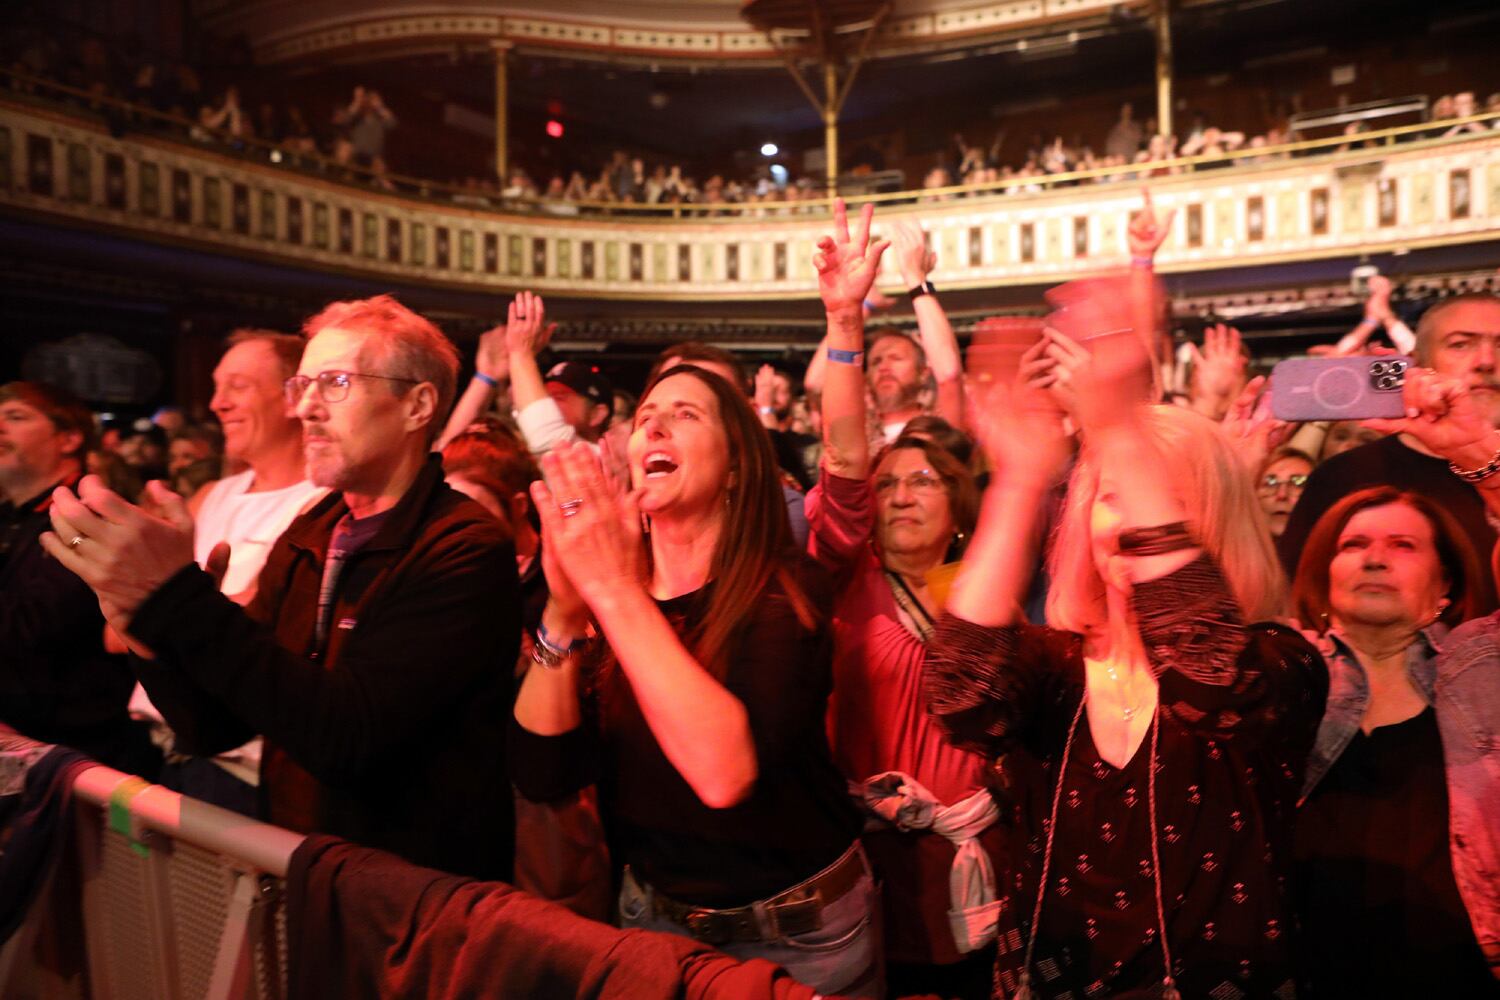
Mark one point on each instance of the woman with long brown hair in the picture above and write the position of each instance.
(700, 714)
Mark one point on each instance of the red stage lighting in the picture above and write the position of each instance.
(555, 129)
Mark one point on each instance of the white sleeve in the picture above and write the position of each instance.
(1401, 336)
(543, 426)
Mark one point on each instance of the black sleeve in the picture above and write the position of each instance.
(549, 768)
(1219, 677)
(992, 688)
(437, 632)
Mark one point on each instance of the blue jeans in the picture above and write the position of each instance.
(843, 956)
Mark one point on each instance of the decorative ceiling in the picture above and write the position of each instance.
(705, 31)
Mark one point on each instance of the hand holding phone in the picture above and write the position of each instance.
(1354, 388)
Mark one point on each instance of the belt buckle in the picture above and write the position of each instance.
(705, 926)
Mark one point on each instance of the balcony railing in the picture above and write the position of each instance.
(98, 165)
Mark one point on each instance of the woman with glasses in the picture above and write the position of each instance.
(883, 528)
(1279, 485)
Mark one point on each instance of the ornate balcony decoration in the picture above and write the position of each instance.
(1307, 201)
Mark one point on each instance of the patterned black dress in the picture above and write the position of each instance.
(1239, 707)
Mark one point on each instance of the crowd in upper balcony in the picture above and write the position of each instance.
(348, 137)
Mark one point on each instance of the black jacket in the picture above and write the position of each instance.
(57, 684)
(394, 735)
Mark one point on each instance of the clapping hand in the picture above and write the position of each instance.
(1219, 368)
(591, 534)
(913, 257)
(846, 264)
(122, 552)
(1251, 426)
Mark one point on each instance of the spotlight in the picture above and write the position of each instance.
(555, 129)
(769, 149)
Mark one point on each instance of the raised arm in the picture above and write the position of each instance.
(526, 333)
(491, 375)
(846, 267)
(933, 329)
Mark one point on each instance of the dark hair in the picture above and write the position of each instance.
(61, 407)
(287, 347)
(934, 428)
(963, 493)
(1455, 555)
(756, 545)
(690, 351)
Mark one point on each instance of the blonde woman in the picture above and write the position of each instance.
(1152, 741)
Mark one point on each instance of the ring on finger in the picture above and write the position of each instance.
(570, 506)
(76, 541)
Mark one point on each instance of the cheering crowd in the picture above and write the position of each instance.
(1060, 669)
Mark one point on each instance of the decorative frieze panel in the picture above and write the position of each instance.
(1406, 196)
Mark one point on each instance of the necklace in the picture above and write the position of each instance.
(1130, 706)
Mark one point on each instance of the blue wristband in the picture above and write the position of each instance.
(846, 357)
(492, 383)
(546, 639)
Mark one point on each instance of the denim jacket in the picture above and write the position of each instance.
(1459, 675)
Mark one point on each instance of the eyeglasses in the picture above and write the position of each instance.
(921, 481)
(1271, 483)
(333, 387)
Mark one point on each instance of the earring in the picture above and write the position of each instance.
(1443, 605)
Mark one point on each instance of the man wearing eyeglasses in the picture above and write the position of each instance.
(377, 651)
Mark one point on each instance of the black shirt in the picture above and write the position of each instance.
(797, 820)
(57, 684)
(1381, 913)
(1389, 462)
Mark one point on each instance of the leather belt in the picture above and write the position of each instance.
(798, 910)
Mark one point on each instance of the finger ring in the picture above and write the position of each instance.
(520, 316)
(570, 506)
(75, 541)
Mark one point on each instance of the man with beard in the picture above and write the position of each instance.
(376, 654)
(1457, 337)
(58, 684)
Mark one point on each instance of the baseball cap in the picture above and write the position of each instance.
(583, 379)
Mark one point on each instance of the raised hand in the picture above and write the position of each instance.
(1442, 415)
(913, 257)
(591, 535)
(1219, 368)
(1148, 230)
(526, 331)
(1250, 425)
(846, 264)
(1378, 305)
(1020, 427)
(492, 359)
(765, 386)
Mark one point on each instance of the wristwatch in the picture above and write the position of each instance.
(925, 288)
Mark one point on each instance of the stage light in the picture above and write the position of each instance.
(555, 129)
(769, 149)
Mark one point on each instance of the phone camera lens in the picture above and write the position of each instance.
(1378, 368)
(1397, 367)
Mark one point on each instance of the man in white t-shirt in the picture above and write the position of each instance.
(248, 512)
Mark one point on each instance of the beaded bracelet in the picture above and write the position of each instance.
(1480, 474)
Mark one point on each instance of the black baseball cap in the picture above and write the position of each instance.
(584, 379)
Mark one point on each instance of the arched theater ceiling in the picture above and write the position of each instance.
(706, 31)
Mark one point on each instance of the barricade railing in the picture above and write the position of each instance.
(177, 900)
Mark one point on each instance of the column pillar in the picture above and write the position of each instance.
(501, 48)
(1161, 16)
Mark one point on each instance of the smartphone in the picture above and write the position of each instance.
(1355, 388)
